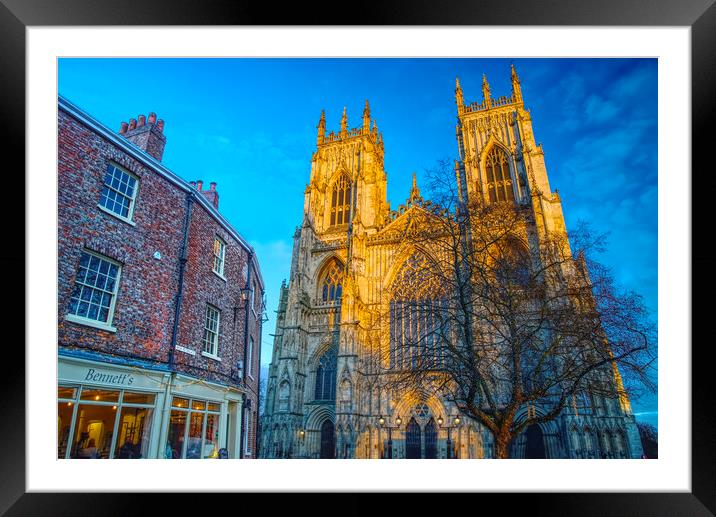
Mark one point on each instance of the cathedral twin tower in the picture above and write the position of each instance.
(346, 259)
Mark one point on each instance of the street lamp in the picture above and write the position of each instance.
(389, 445)
(456, 422)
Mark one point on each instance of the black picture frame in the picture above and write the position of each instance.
(700, 15)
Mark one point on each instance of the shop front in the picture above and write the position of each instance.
(200, 419)
(131, 411)
(107, 411)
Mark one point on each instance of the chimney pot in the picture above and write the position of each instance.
(152, 118)
(123, 128)
(212, 185)
(141, 120)
(132, 124)
(192, 183)
(160, 125)
(199, 185)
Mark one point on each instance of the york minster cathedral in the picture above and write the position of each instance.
(345, 259)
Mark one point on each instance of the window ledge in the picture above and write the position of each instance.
(219, 275)
(211, 356)
(90, 323)
(117, 216)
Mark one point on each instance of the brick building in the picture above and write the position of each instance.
(160, 303)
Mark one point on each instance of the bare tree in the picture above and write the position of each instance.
(649, 439)
(503, 317)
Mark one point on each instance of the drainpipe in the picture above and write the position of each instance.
(242, 438)
(258, 382)
(175, 328)
(249, 290)
(180, 288)
(244, 429)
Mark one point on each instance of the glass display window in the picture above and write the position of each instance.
(102, 423)
(193, 429)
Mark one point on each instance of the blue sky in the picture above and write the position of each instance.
(250, 125)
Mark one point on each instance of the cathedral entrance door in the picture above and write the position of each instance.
(412, 440)
(431, 440)
(328, 440)
(534, 449)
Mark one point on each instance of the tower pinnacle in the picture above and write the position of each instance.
(459, 99)
(414, 190)
(366, 116)
(344, 122)
(485, 88)
(516, 88)
(322, 127)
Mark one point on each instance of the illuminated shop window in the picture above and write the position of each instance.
(100, 423)
(193, 429)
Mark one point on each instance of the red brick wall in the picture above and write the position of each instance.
(144, 311)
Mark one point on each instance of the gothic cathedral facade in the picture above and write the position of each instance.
(318, 404)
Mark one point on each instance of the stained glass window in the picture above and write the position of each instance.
(341, 200)
(499, 181)
(418, 316)
(331, 282)
(326, 376)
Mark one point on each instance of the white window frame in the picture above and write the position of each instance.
(214, 351)
(250, 358)
(132, 201)
(103, 325)
(76, 401)
(219, 272)
(247, 422)
(189, 410)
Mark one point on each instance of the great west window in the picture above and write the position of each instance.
(418, 316)
(99, 423)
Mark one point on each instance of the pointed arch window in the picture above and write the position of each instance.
(499, 180)
(418, 316)
(331, 287)
(326, 376)
(341, 200)
(284, 395)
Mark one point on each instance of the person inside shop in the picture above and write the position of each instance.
(89, 451)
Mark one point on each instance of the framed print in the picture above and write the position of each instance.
(177, 340)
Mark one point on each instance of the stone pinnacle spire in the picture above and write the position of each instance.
(485, 88)
(322, 127)
(344, 122)
(459, 99)
(366, 116)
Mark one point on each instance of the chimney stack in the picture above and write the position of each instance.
(147, 133)
(211, 195)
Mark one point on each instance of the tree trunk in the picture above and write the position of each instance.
(502, 445)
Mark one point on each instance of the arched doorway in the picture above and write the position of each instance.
(412, 440)
(431, 440)
(534, 447)
(328, 440)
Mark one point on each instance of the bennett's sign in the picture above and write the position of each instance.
(123, 379)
